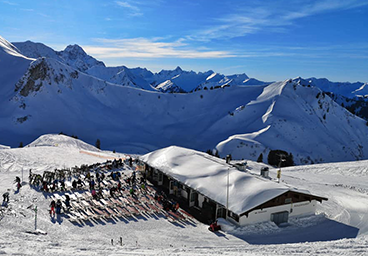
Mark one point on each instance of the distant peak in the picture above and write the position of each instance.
(178, 69)
(74, 48)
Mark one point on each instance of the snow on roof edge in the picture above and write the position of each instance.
(183, 164)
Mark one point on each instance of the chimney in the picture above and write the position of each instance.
(264, 172)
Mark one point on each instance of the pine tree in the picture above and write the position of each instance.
(260, 158)
(217, 154)
(21, 144)
(98, 144)
(209, 151)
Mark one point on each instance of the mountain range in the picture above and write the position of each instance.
(134, 110)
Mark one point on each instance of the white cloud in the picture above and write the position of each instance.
(134, 9)
(150, 48)
(274, 16)
(9, 2)
(143, 48)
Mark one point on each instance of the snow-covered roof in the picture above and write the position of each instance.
(208, 175)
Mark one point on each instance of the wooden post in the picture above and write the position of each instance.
(35, 209)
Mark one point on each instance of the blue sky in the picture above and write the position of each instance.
(266, 39)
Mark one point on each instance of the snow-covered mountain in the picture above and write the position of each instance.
(36, 50)
(121, 76)
(345, 89)
(168, 81)
(12, 67)
(352, 96)
(72, 55)
(292, 116)
(245, 120)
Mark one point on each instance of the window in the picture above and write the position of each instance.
(233, 216)
(287, 200)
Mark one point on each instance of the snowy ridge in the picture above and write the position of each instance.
(287, 113)
(63, 141)
(346, 89)
(72, 55)
(244, 120)
(12, 66)
(75, 56)
(4, 147)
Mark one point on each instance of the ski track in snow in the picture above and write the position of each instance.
(345, 185)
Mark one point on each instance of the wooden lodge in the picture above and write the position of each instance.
(211, 186)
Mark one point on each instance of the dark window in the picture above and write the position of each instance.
(233, 216)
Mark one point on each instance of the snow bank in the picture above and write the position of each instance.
(63, 141)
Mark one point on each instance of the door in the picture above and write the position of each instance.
(193, 199)
(280, 217)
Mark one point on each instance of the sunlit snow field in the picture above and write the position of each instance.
(329, 232)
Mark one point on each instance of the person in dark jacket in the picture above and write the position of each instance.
(67, 202)
(6, 197)
(58, 206)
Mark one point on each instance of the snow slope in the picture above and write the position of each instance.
(340, 228)
(53, 97)
(12, 66)
(120, 75)
(291, 116)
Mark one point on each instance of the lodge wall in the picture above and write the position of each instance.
(293, 203)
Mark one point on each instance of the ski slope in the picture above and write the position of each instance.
(339, 228)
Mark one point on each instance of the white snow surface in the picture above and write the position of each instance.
(4, 147)
(208, 175)
(339, 228)
(53, 140)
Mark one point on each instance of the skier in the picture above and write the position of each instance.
(58, 206)
(80, 183)
(17, 180)
(133, 175)
(67, 202)
(5, 199)
(62, 185)
(74, 184)
(92, 184)
(52, 209)
(94, 194)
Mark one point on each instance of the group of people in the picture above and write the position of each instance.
(56, 207)
(96, 187)
(167, 204)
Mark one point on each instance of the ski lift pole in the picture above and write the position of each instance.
(282, 159)
(35, 209)
(227, 193)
